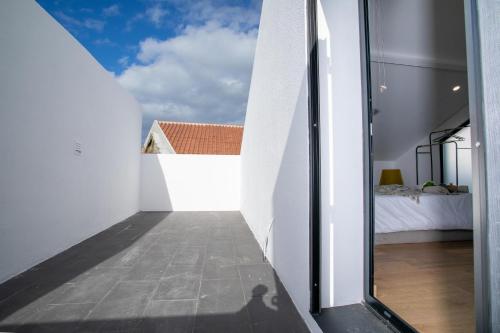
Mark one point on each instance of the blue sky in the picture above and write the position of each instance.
(184, 60)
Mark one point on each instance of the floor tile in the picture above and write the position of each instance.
(124, 305)
(221, 324)
(278, 307)
(178, 287)
(130, 255)
(220, 296)
(90, 287)
(220, 269)
(221, 299)
(224, 249)
(248, 253)
(260, 280)
(221, 261)
(152, 265)
(221, 233)
(256, 272)
(183, 271)
(67, 318)
(169, 316)
(17, 284)
(275, 326)
(191, 255)
(22, 306)
(195, 241)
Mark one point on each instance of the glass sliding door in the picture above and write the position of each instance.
(420, 263)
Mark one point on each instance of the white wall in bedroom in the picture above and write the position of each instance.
(406, 161)
(53, 96)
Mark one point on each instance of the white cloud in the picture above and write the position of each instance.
(234, 17)
(93, 24)
(155, 14)
(123, 61)
(67, 19)
(104, 42)
(130, 22)
(201, 75)
(73, 23)
(112, 10)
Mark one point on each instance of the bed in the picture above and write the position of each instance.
(427, 217)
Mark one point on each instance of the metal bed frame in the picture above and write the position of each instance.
(440, 141)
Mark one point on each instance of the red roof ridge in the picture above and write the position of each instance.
(199, 124)
(202, 138)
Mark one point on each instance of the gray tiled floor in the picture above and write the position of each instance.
(154, 272)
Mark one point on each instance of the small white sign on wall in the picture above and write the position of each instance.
(77, 148)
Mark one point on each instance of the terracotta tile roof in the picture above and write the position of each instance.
(209, 139)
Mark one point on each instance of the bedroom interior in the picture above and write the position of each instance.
(422, 253)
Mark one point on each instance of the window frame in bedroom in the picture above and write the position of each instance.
(481, 285)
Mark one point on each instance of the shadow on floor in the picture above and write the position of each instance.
(115, 242)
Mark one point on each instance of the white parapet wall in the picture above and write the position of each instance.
(69, 141)
(275, 149)
(179, 182)
(342, 211)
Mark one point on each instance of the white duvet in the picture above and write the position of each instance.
(432, 212)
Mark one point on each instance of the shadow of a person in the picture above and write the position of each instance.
(273, 313)
(262, 307)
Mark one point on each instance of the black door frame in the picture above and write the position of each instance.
(482, 296)
(314, 162)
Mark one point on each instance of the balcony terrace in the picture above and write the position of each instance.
(154, 272)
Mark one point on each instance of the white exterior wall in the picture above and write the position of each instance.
(275, 150)
(341, 152)
(53, 94)
(180, 182)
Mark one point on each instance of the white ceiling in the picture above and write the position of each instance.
(419, 30)
(423, 57)
(417, 100)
